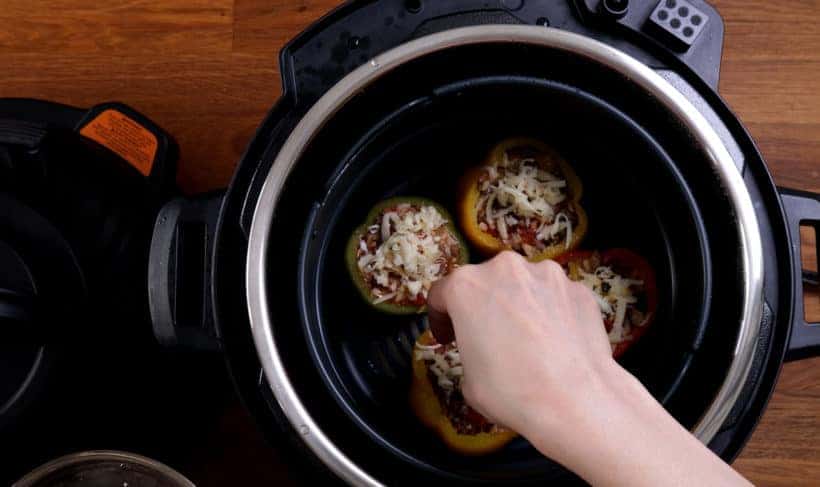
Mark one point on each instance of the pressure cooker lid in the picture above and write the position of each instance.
(77, 191)
(266, 268)
(40, 289)
(41, 285)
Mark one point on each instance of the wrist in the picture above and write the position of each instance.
(613, 432)
(608, 418)
(599, 400)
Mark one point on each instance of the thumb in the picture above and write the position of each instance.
(440, 324)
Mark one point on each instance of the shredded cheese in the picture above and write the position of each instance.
(412, 254)
(446, 367)
(614, 294)
(529, 191)
(517, 193)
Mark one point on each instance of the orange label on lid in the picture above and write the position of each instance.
(125, 137)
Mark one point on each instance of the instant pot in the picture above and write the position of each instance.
(393, 97)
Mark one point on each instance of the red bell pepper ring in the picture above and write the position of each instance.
(631, 266)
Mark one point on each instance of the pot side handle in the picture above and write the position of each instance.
(179, 273)
(802, 208)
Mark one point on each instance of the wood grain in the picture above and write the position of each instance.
(206, 71)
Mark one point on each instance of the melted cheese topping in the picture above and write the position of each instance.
(414, 252)
(614, 294)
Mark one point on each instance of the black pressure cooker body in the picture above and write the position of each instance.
(399, 97)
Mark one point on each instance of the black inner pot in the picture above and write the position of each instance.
(414, 133)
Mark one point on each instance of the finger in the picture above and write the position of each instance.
(560, 286)
(440, 324)
(589, 311)
(469, 391)
(549, 269)
(589, 316)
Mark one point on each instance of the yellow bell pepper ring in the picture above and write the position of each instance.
(470, 193)
(427, 407)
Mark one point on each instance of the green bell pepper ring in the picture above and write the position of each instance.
(373, 218)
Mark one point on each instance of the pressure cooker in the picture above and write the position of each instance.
(395, 97)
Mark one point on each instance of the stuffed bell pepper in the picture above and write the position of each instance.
(624, 285)
(404, 245)
(524, 198)
(435, 397)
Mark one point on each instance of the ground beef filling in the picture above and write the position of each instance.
(445, 373)
(524, 202)
(405, 250)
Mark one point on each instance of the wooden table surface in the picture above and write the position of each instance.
(206, 71)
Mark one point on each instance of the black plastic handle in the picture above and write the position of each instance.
(802, 209)
(179, 273)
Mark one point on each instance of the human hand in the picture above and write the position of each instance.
(537, 359)
(526, 333)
